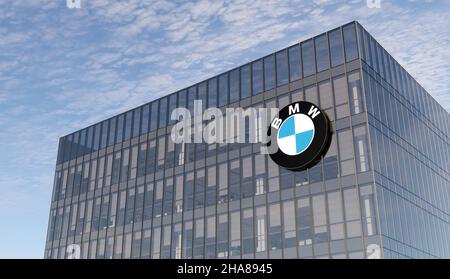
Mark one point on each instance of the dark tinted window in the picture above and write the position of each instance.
(295, 63)
(257, 77)
(351, 48)
(269, 72)
(282, 74)
(308, 58)
(337, 55)
(322, 55)
(245, 81)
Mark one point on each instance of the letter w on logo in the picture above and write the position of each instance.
(314, 111)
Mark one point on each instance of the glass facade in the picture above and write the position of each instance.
(123, 189)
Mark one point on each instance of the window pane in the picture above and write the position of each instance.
(341, 97)
(295, 63)
(269, 72)
(322, 58)
(245, 81)
(337, 56)
(128, 123)
(154, 116)
(282, 75)
(354, 87)
(308, 58)
(136, 122)
(361, 149)
(234, 86)
(257, 77)
(351, 47)
(172, 107)
(223, 90)
(212, 93)
(145, 118)
(162, 112)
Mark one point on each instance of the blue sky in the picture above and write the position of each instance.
(63, 69)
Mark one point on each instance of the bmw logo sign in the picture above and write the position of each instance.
(299, 136)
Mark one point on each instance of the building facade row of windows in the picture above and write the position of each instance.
(339, 97)
(335, 222)
(321, 53)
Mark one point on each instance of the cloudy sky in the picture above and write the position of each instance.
(62, 69)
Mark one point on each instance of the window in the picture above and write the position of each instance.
(156, 247)
(308, 58)
(322, 55)
(223, 90)
(172, 107)
(178, 206)
(320, 219)
(103, 141)
(168, 196)
(234, 85)
(210, 240)
(223, 183)
(211, 187)
(311, 95)
(188, 191)
(191, 97)
(96, 136)
(245, 81)
(176, 241)
(128, 123)
(235, 231)
(166, 241)
(257, 69)
(200, 188)
(261, 229)
(247, 177)
(274, 184)
(336, 215)
(247, 231)
(336, 50)
(125, 163)
(295, 63)
(354, 87)
(361, 149)
(145, 118)
(289, 224)
(158, 199)
(260, 174)
(154, 116)
(162, 112)
(234, 177)
(136, 122)
(222, 236)
(282, 74)
(187, 240)
(351, 47)
(161, 153)
(326, 98)
(202, 95)
(351, 205)
(368, 210)
(212, 93)
(269, 72)
(198, 240)
(341, 97)
(139, 204)
(274, 227)
(112, 131)
(345, 140)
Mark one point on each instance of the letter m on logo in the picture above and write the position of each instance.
(313, 112)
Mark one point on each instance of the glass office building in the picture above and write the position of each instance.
(123, 189)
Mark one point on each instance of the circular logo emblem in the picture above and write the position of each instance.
(299, 136)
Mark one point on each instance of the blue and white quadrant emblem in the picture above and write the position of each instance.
(295, 134)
